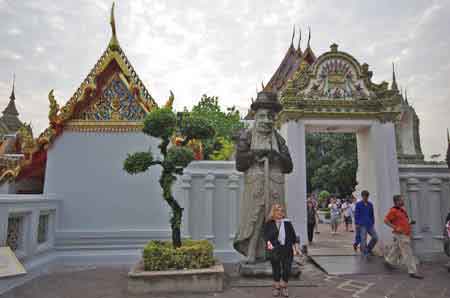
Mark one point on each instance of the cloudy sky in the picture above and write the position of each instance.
(223, 47)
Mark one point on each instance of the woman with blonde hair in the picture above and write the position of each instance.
(282, 244)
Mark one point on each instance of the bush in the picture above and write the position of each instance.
(328, 215)
(160, 123)
(193, 254)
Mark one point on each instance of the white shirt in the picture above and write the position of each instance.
(347, 209)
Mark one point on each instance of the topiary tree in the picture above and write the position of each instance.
(162, 123)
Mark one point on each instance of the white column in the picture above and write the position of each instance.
(186, 189)
(3, 225)
(233, 187)
(295, 183)
(412, 196)
(434, 212)
(208, 190)
(384, 174)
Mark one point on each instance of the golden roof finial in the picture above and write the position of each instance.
(309, 36)
(113, 42)
(169, 103)
(293, 36)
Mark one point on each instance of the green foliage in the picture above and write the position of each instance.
(225, 123)
(331, 162)
(192, 254)
(226, 150)
(179, 156)
(196, 127)
(328, 215)
(160, 123)
(137, 162)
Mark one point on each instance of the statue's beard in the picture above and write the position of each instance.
(264, 128)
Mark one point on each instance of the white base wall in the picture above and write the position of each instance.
(104, 208)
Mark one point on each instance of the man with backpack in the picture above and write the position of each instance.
(397, 219)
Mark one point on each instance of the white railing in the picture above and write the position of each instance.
(27, 223)
(427, 192)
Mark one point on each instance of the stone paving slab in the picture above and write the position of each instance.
(340, 265)
(102, 282)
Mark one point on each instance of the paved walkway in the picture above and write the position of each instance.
(326, 243)
(92, 282)
(101, 282)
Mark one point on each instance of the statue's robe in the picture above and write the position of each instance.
(253, 209)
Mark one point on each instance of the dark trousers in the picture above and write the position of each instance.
(281, 261)
(311, 231)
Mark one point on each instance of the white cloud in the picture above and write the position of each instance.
(14, 31)
(9, 55)
(223, 48)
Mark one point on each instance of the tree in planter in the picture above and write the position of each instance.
(162, 123)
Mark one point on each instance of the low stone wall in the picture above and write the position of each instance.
(427, 192)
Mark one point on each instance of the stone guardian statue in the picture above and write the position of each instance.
(264, 158)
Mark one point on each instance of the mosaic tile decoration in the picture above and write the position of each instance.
(115, 103)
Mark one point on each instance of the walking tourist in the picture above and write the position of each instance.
(311, 220)
(347, 212)
(365, 223)
(335, 214)
(397, 219)
(282, 244)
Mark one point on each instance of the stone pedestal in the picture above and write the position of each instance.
(264, 269)
(175, 281)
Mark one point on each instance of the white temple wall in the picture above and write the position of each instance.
(104, 208)
(427, 192)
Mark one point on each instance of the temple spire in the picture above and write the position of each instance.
(293, 35)
(113, 42)
(299, 49)
(406, 96)
(309, 36)
(11, 107)
(394, 81)
(13, 95)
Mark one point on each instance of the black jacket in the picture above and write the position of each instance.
(271, 234)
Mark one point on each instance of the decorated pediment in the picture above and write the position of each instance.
(334, 76)
(116, 102)
(337, 78)
(336, 85)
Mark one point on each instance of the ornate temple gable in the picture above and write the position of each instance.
(285, 71)
(112, 95)
(337, 85)
(112, 98)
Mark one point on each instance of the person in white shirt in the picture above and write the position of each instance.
(347, 211)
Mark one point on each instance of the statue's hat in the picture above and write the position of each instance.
(266, 100)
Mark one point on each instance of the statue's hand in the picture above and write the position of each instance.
(260, 153)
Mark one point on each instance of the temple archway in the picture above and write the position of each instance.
(335, 94)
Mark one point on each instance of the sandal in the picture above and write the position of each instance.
(284, 292)
(275, 292)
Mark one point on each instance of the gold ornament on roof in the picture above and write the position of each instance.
(115, 105)
(54, 108)
(169, 103)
